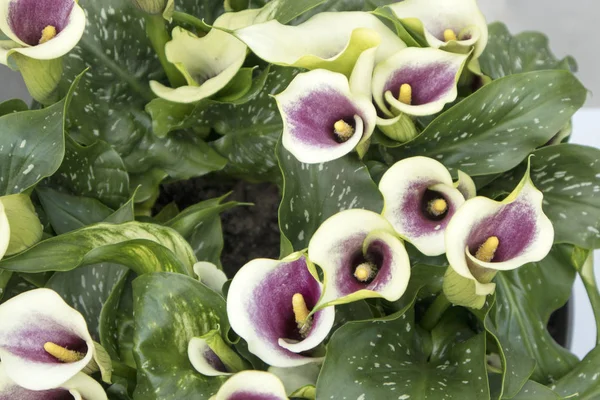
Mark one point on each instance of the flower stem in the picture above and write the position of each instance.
(188, 19)
(124, 371)
(434, 312)
(156, 30)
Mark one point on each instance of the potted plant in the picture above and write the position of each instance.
(406, 215)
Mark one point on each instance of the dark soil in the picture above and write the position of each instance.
(250, 231)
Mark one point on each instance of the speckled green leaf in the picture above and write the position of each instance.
(142, 247)
(33, 145)
(391, 360)
(251, 130)
(12, 106)
(583, 382)
(528, 51)
(343, 5)
(95, 171)
(525, 299)
(314, 192)
(569, 177)
(286, 10)
(494, 129)
(171, 309)
(535, 391)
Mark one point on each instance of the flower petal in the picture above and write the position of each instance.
(252, 385)
(69, 32)
(311, 105)
(436, 16)
(465, 185)
(32, 319)
(6, 48)
(432, 75)
(4, 231)
(80, 387)
(345, 41)
(210, 275)
(352, 238)
(524, 232)
(208, 63)
(204, 359)
(259, 305)
(409, 187)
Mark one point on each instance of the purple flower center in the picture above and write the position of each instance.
(252, 396)
(428, 82)
(15, 392)
(417, 201)
(214, 361)
(28, 18)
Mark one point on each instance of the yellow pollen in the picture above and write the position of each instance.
(487, 250)
(437, 207)
(405, 95)
(62, 354)
(48, 33)
(343, 130)
(449, 35)
(301, 314)
(364, 272)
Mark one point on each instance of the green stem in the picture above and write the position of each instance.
(434, 312)
(123, 370)
(190, 20)
(156, 30)
(589, 282)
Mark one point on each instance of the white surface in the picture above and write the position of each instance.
(583, 337)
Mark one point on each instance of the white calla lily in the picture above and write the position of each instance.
(40, 29)
(361, 257)
(79, 387)
(322, 119)
(252, 385)
(485, 236)
(329, 40)
(270, 304)
(43, 341)
(210, 275)
(211, 356)
(420, 200)
(447, 24)
(465, 185)
(417, 81)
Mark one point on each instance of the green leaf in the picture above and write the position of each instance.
(33, 145)
(582, 381)
(67, 212)
(286, 10)
(588, 277)
(142, 247)
(12, 106)
(391, 359)
(535, 391)
(251, 130)
(528, 51)
(525, 299)
(25, 226)
(95, 171)
(171, 309)
(495, 128)
(314, 192)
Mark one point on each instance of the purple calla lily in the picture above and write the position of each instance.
(269, 304)
(420, 199)
(252, 385)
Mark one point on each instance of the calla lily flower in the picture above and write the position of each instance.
(80, 387)
(210, 275)
(43, 341)
(486, 236)
(417, 81)
(448, 24)
(329, 40)
(208, 63)
(270, 304)
(211, 356)
(360, 256)
(420, 199)
(252, 385)
(465, 185)
(40, 29)
(322, 119)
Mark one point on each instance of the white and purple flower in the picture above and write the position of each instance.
(455, 25)
(79, 387)
(486, 236)
(211, 356)
(322, 118)
(420, 200)
(417, 81)
(270, 304)
(252, 385)
(40, 29)
(361, 257)
(210, 275)
(43, 341)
